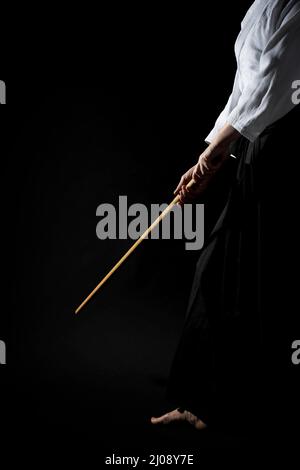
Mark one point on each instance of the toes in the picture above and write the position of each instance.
(168, 418)
(195, 421)
(162, 419)
(199, 424)
(154, 420)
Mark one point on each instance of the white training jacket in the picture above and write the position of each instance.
(267, 52)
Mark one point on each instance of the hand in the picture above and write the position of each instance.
(202, 173)
(209, 162)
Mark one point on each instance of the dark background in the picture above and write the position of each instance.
(127, 120)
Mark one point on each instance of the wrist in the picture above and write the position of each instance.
(218, 148)
(227, 135)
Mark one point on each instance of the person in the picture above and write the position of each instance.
(223, 370)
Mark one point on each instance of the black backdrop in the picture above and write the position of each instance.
(127, 121)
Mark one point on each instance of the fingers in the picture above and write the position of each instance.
(182, 186)
(185, 195)
(182, 199)
(184, 180)
(179, 185)
(196, 175)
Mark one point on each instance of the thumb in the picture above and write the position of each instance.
(181, 182)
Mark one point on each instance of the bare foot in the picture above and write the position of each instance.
(175, 416)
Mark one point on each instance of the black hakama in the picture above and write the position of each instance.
(233, 358)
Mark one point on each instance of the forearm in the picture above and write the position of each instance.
(224, 138)
(208, 163)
